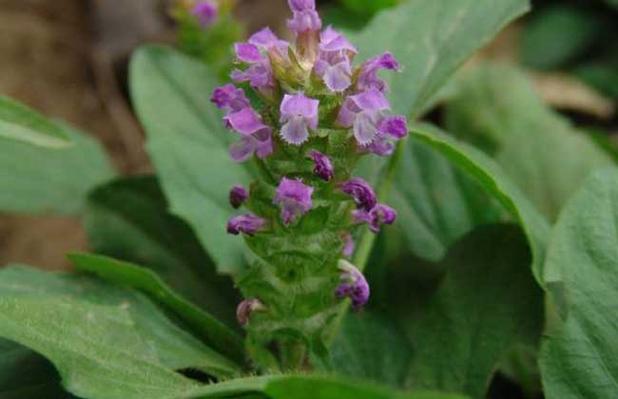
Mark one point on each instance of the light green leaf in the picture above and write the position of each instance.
(26, 375)
(36, 180)
(189, 146)
(490, 176)
(307, 387)
(579, 358)
(487, 303)
(431, 39)
(128, 219)
(436, 202)
(498, 110)
(21, 123)
(370, 346)
(105, 341)
(216, 334)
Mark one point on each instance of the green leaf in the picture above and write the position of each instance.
(105, 341)
(431, 39)
(370, 346)
(38, 180)
(498, 110)
(559, 34)
(307, 387)
(436, 202)
(579, 358)
(490, 176)
(487, 303)
(216, 334)
(26, 375)
(21, 123)
(189, 146)
(128, 219)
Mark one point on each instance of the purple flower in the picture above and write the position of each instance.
(267, 40)
(247, 224)
(298, 115)
(353, 285)
(334, 60)
(238, 196)
(246, 308)
(206, 12)
(259, 73)
(391, 128)
(260, 144)
(361, 192)
(322, 165)
(246, 121)
(229, 98)
(368, 77)
(379, 215)
(304, 16)
(294, 199)
(394, 126)
(348, 245)
(364, 112)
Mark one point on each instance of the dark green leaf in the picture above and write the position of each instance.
(38, 180)
(436, 202)
(487, 303)
(498, 110)
(189, 146)
(128, 219)
(26, 375)
(105, 341)
(431, 39)
(23, 124)
(370, 346)
(479, 166)
(215, 333)
(307, 387)
(580, 356)
(558, 34)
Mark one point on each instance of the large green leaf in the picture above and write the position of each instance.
(26, 375)
(580, 356)
(436, 202)
(487, 303)
(23, 124)
(189, 146)
(38, 180)
(370, 346)
(215, 333)
(307, 387)
(431, 39)
(105, 341)
(128, 219)
(498, 110)
(479, 166)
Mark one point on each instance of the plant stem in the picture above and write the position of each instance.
(365, 245)
(292, 354)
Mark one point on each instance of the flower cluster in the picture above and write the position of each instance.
(206, 12)
(304, 95)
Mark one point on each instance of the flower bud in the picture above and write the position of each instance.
(323, 167)
(238, 196)
(353, 285)
(247, 224)
(246, 308)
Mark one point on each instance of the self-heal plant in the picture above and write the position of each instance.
(313, 116)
